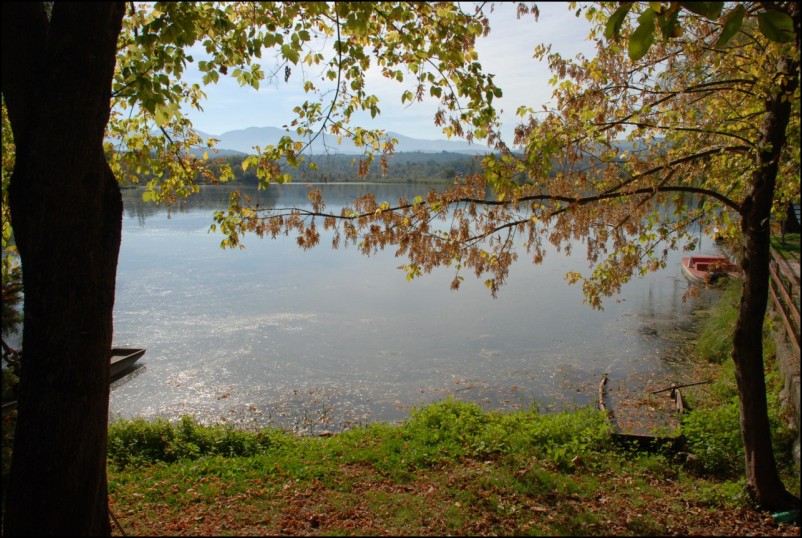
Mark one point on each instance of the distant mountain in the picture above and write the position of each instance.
(221, 151)
(406, 143)
(243, 141)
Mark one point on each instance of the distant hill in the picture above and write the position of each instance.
(243, 141)
(404, 167)
(414, 160)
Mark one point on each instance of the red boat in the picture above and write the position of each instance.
(701, 269)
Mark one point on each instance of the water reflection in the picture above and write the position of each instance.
(290, 195)
(322, 339)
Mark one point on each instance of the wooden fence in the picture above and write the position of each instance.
(784, 288)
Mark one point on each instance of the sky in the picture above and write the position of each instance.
(506, 52)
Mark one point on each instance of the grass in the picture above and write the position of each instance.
(714, 340)
(787, 246)
(451, 468)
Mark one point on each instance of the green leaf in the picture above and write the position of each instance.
(211, 77)
(776, 26)
(710, 10)
(164, 113)
(641, 40)
(731, 25)
(669, 26)
(613, 27)
(290, 53)
(251, 160)
(647, 16)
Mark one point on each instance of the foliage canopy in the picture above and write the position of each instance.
(332, 47)
(705, 96)
(640, 149)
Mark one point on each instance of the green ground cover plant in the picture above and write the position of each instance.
(714, 340)
(787, 245)
(453, 468)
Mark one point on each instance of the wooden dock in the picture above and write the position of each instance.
(641, 438)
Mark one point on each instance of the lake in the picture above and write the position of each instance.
(324, 340)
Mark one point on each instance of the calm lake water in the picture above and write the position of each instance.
(323, 340)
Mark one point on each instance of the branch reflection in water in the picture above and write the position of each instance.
(324, 340)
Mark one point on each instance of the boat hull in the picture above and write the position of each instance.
(123, 359)
(702, 269)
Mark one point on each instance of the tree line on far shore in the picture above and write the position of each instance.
(406, 167)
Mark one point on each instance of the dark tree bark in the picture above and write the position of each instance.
(67, 215)
(763, 482)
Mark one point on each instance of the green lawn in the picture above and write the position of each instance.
(451, 468)
(788, 246)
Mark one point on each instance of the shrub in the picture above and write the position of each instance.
(137, 441)
(714, 342)
(452, 429)
(560, 437)
(443, 430)
(714, 435)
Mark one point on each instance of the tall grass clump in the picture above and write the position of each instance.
(137, 441)
(712, 429)
(452, 429)
(445, 432)
(560, 437)
(714, 342)
(714, 435)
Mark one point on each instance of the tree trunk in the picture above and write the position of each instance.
(67, 216)
(763, 482)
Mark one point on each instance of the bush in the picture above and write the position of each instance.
(560, 437)
(452, 429)
(133, 442)
(713, 432)
(714, 342)
(714, 435)
(443, 430)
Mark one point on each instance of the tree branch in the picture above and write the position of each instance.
(682, 160)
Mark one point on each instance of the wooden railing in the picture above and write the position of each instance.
(784, 288)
